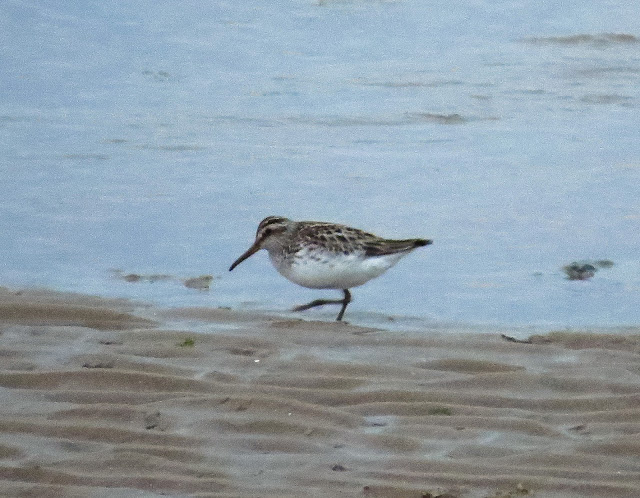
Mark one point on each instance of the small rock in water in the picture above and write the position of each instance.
(579, 271)
(584, 270)
(201, 283)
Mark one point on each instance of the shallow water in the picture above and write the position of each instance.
(151, 140)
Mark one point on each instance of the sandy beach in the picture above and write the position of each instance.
(106, 398)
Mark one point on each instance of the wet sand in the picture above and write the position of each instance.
(104, 398)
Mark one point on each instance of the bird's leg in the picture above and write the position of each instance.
(347, 300)
(317, 302)
(322, 302)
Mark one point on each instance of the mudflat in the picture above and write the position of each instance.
(105, 398)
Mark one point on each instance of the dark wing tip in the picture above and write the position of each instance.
(422, 242)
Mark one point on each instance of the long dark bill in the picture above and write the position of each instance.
(251, 251)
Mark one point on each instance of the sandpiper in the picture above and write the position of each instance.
(323, 255)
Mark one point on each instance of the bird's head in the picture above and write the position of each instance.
(268, 236)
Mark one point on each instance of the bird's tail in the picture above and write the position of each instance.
(394, 246)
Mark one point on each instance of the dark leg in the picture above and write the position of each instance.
(322, 302)
(347, 300)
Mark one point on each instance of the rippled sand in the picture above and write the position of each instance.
(102, 398)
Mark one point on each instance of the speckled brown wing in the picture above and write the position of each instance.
(334, 238)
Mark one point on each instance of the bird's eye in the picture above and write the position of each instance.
(268, 232)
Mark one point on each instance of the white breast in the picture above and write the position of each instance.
(324, 270)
